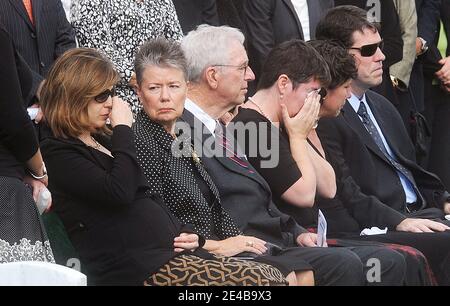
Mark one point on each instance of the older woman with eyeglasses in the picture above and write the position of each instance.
(123, 232)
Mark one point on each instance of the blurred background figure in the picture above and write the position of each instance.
(22, 170)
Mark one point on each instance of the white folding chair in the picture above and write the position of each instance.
(38, 273)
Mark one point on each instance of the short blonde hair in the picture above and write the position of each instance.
(75, 79)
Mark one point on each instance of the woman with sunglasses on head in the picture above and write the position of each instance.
(124, 233)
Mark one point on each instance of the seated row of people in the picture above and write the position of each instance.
(200, 196)
(203, 190)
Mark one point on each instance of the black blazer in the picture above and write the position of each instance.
(122, 233)
(245, 195)
(271, 22)
(428, 24)
(39, 44)
(357, 156)
(192, 13)
(445, 18)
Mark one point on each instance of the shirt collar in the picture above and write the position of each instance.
(355, 101)
(201, 115)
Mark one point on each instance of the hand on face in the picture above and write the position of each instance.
(120, 113)
(301, 124)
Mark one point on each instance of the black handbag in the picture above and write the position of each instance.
(419, 129)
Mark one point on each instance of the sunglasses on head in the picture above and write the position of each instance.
(369, 50)
(104, 96)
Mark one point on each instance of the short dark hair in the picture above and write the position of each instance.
(296, 59)
(341, 63)
(341, 22)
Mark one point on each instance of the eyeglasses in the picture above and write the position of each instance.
(369, 50)
(239, 67)
(104, 96)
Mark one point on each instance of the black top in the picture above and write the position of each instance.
(285, 173)
(186, 187)
(122, 232)
(18, 141)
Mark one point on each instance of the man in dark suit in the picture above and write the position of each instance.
(436, 83)
(445, 17)
(40, 32)
(192, 13)
(271, 22)
(215, 88)
(368, 140)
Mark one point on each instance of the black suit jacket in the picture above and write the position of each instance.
(357, 156)
(245, 194)
(428, 24)
(271, 22)
(445, 17)
(192, 13)
(39, 44)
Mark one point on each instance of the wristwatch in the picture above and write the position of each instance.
(424, 45)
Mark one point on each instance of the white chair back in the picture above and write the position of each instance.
(38, 273)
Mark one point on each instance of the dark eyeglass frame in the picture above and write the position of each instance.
(239, 67)
(104, 96)
(369, 50)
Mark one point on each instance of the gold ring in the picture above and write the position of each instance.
(249, 243)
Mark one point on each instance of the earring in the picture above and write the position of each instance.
(281, 96)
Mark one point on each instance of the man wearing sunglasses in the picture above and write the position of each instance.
(369, 145)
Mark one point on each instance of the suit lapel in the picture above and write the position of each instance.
(314, 16)
(294, 13)
(355, 123)
(200, 138)
(37, 7)
(20, 8)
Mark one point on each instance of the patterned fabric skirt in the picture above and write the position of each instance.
(190, 270)
(22, 235)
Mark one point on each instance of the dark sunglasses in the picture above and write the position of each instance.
(369, 50)
(104, 96)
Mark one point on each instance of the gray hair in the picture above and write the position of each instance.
(207, 46)
(159, 52)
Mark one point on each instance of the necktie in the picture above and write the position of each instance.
(371, 128)
(29, 8)
(229, 149)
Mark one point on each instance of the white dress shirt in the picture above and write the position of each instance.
(201, 115)
(301, 7)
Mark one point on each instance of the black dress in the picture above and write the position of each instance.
(124, 233)
(22, 236)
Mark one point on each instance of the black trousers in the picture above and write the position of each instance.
(437, 112)
(350, 266)
(435, 247)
